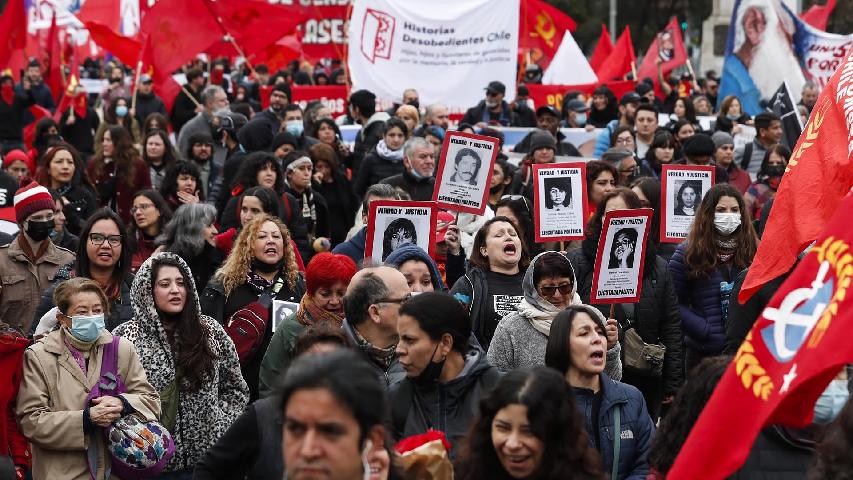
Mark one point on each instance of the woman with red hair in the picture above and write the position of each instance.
(326, 278)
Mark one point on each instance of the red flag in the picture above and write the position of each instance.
(795, 348)
(818, 15)
(102, 12)
(53, 76)
(668, 48)
(181, 29)
(164, 85)
(254, 24)
(38, 112)
(13, 30)
(819, 175)
(542, 30)
(602, 49)
(621, 60)
(125, 48)
(279, 54)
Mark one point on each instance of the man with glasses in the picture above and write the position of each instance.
(372, 306)
(625, 163)
(31, 261)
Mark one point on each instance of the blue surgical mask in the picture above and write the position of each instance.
(294, 127)
(415, 174)
(121, 111)
(831, 402)
(87, 328)
(580, 119)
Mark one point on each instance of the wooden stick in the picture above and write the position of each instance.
(612, 310)
(241, 53)
(190, 95)
(136, 85)
(692, 75)
(634, 70)
(562, 246)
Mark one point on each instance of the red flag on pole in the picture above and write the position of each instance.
(13, 30)
(182, 29)
(164, 85)
(53, 75)
(795, 348)
(668, 48)
(102, 12)
(819, 175)
(603, 49)
(124, 48)
(254, 24)
(621, 60)
(542, 30)
(818, 15)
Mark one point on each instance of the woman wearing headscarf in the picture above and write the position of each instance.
(521, 337)
(188, 357)
(421, 272)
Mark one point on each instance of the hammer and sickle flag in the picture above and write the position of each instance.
(542, 29)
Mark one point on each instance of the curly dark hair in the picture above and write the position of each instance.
(247, 176)
(553, 418)
(685, 410)
(169, 187)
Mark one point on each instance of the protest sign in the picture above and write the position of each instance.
(281, 310)
(682, 190)
(619, 261)
(393, 224)
(559, 201)
(446, 49)
(465, 172)
(333, 97)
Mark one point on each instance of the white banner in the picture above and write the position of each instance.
(448, 50)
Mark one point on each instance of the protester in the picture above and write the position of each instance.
(216, 170)
(433, 135)
(604, 109)
(627, 111)
(409, 115)
(62, 170)
(102, 257)
(625, 163)
(548, 120)
(116, 88)
(421, 272)
(354, 247)
(182, 185)
(330, 181)
(16, 458)
(118, 172)
(14, 105)
(326, 280)
(312, 209)
(213, 100)
(328, 132)
(147, 102)
(18, 164)
(576, 350)
(63, 424)
(150, 213)
(519, 210)
(600, 179)
(654, 318)
(190, 234)
(437, 115)
(294, 124)
(575, 114)
(833, 460)
(260, 268)
(493, 110)
(188, 357)
(549, 288)
(45, 136)
(158, 153)
(768, 132)
(542, 150)
(699, 150)
(419, 163)
(60, 236)
(500, 181)
(724, 149)
(682, 130)
(624, 137)
(661, 152)
(731, 110)
(385, 160)
(362, 108)
(492, 287)
(79, 123)
(434, 350)
(646, 124)
(768, 179)
(118, 114)
(720, 244)
(529, 428)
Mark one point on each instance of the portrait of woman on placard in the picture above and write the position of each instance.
(399, 232)
(558, 193)
(623, 248)
(688, 197)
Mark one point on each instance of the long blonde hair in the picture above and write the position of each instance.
(234, 271)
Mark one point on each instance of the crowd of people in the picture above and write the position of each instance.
(188, 293)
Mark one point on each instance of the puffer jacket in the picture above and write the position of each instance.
(203, 415)
(449, 407)
(636, 429)
(655, 317)
(374, 168)
(517, 344)
(699, 306)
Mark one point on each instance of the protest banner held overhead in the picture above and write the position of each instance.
(464, 171)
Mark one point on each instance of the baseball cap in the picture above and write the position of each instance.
(496, 87)
(547, 110)
(577, 106)
(630, 97)
(145, 78)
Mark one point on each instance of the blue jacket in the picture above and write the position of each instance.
(354, 247)
(699, 305)
(636, 428)
(602, 143)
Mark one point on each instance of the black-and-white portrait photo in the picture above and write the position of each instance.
(393, 224)
(399, 232)
(688, 197)
(558, 193)
(623, 248)
(682, 189)
(467, 166)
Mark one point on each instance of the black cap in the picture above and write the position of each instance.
(547, 110)
(643, 88)
(523, 91)
(630, 97)
(576, 105)
(699, 145)
(496, 87)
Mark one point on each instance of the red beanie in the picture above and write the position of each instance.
(31, 198)
(19, 155)
(326, 269)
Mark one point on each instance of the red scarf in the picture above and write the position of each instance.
(25, 246)
(311, 314)
(7, 92)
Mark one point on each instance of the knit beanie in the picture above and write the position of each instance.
(19, 155)
(31, 198)
(722, 138)
(542, 139)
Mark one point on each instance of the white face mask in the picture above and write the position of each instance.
(726, 223)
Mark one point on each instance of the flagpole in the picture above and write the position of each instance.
(692, 74)
(634, 70)
(136, 84)
(190, 95)
(228, 37)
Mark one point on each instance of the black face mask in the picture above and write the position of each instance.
(414, 103)
(432, 371)
(262, 267)
(497, 188)
(39, 231)
(775, 170)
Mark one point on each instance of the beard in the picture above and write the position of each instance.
(774, 55)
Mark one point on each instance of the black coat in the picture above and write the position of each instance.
(342, 206)
(373, 170)
(82, 203)
(80, 134)
(12, 116)
(420, 189)
(258, 133)
(366, 140)
(148, 104)
(314, 229)
(742, 317)
(183, 110)
(563, 147)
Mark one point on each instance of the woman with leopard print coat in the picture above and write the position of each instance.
(187, 356)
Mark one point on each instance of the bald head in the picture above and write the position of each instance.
(372, 288)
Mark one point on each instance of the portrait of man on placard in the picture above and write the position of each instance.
(467, 165)
(623, 248)
(399, 232)
(558, 193)
(688, 196)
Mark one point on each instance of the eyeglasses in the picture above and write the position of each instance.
(398, 301)
(550, 290)
(99, 239)
(141, 206)
(516, 198)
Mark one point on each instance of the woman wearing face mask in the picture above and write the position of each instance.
(188, 357)
(102, 256)
(65, 431)
(445, 376)
(158, 153)
(418, 267)
(576, 350)
(769, 177)
(182, 185)
(385, 160)
(118, 172)
(118, 114)
(720, 244)
(529, 428)
(326, 280)
(549, 288)
(262, 262)
(654, 317)
(731, 111)
(661, 152)
(191, 235)
(150, 213)
(492, 286)
(62, 170)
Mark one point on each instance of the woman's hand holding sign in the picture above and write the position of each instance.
(611, 330)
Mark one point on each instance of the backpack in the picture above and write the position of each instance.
(248, 325)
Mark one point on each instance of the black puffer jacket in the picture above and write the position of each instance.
(655, 316)
(374, 169)
(420, 189)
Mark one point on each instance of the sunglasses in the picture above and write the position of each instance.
(516, 198)
(550, 290)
